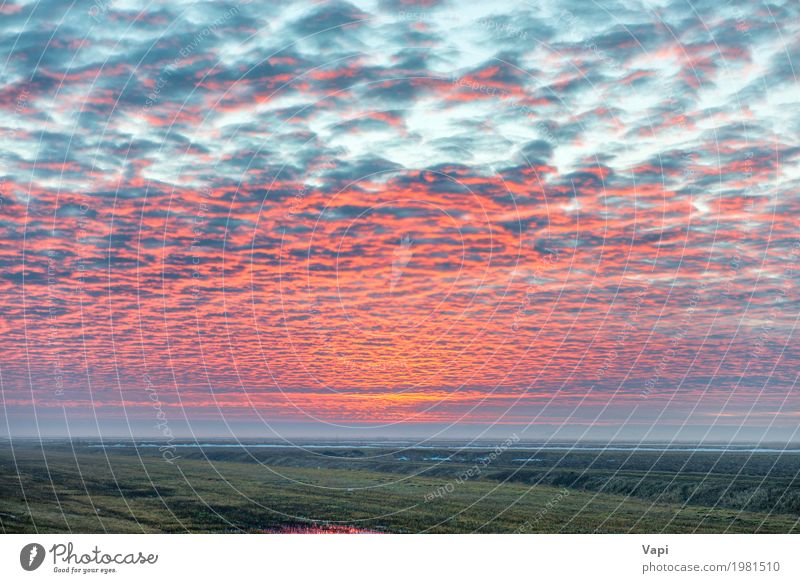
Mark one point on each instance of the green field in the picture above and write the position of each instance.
(62, 487)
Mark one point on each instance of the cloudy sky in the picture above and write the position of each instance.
(377, 217)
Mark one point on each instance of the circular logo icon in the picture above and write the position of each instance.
(31, 556)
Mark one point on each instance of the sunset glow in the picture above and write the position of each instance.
(385, 215)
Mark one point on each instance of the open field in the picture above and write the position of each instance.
(86, 488)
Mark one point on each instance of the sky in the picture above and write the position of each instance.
(395, 217)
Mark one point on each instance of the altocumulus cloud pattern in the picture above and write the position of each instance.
(365, 214)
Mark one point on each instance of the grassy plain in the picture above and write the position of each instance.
(79, 487)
